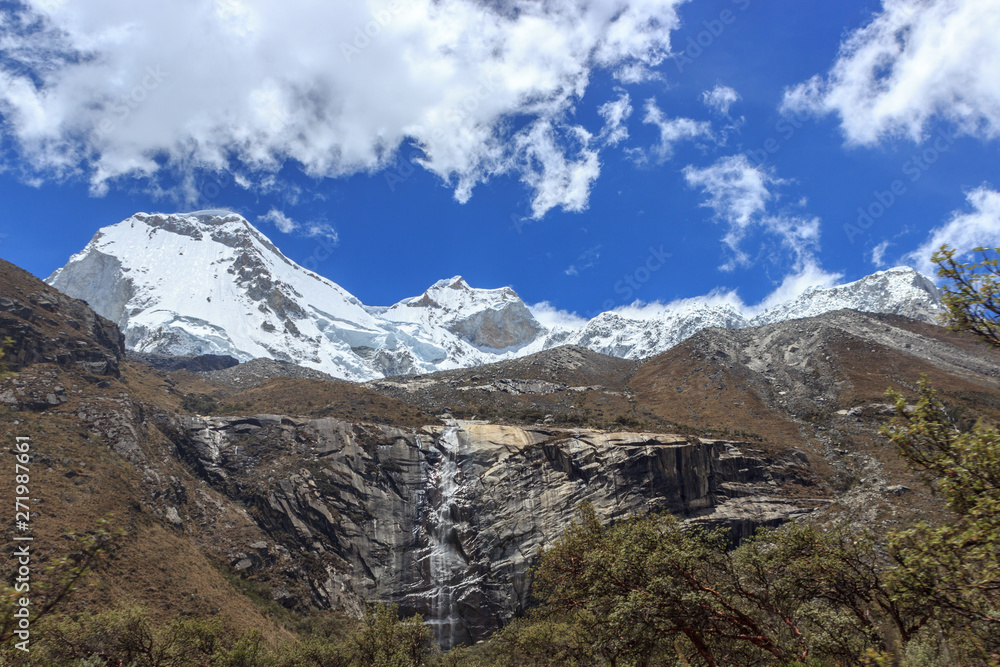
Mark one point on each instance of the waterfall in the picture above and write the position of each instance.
(444, 560)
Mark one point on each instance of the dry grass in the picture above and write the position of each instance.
(76, 480)
(318, 398)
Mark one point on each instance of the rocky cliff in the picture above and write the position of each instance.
(447, 520)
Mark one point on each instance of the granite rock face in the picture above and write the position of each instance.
(49, 327)
(446, 521)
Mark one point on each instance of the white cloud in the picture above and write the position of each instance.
(637, 73)
(737, 193)
(964, 231)
(114, 88)
(720, 99)
(799, 235)
(615, 113)
(309, 230)
(915, 61)
(807, 275)
(587, 260)
(640, 310)
(878, 254)
(322, 230)
(548, 167)
(280, 220)
(672, 130)
(551, 317)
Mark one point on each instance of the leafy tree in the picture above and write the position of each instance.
(650, 591)
(972, 299)
(128, 637)
(955, 566)
(386, 641)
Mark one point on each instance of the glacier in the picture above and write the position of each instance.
(209, 282)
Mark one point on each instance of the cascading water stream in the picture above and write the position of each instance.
(443, 557)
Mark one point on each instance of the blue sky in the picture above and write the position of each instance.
(588, 154)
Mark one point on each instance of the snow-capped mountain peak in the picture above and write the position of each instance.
(210, 282)
(900, 291)
(489, 319)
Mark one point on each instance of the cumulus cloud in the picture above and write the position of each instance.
(558, 174)
(672, 130)
(720, 99)
(917, 60)
(110, 89)
(964, 231)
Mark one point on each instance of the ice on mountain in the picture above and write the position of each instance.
(208, 282)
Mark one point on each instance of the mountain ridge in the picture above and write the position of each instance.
(327, 494)
(209, 282)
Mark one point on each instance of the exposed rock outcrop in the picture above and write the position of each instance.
(203, 363)
(446, 521)
(49, 327)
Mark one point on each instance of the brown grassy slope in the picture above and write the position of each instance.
(481, 392)
(751, 384)
(94, 454)
(965, 342)
(167, 389)
(867, 370)
(319, 398)
(77, 479)
(49, 327)
(571, 365)
(687, 385)
(742, 381)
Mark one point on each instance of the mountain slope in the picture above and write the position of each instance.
(208, 282)
(898, 291)
(324, 494)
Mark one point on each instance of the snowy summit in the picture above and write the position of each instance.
(208, 282)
